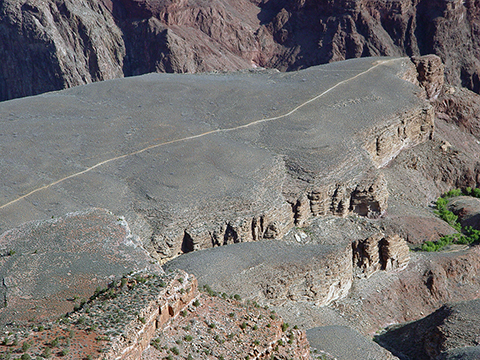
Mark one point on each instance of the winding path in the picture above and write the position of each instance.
(256, 122)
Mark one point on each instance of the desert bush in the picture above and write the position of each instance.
(26, 346)
(465, 236)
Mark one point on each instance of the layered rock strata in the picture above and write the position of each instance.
(154, 314)
(145, 316)
(379, 252)
(77, 42)
(303, 268)
(223, 170)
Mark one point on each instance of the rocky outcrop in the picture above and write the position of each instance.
(154, 314)
(77, 42)
(317, 264)
(461, 107)
(467, 209)
(453, 326)
(272, 272)
(430, 74)
(379, 252)
(234, 330)
(410, 129)
(365, 197)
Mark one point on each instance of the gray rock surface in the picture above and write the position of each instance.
(345, 344)
(195, 161)
(467, 209)
(48, 267)
(273, 272)
(465, 353)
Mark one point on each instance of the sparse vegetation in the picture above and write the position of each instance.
(26, 346)
(465, 236)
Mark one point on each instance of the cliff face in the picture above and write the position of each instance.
(46, 46)
(58, 44)
(323, 31)
(451, 332)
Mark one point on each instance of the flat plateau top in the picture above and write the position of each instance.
(171, 142)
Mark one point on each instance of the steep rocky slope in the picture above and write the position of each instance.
(334, 165)
(152, 316)
(55, 44)
(451, 332)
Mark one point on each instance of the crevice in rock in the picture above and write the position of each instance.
(187, 243)
(230, 236)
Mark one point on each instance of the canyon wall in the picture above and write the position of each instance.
(58, 44)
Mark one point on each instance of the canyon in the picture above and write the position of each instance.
(306, 192)
(53, 45)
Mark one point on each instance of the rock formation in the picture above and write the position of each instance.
(148, 316)
(47, 268)
(467, 209)
(58, 44)
(379, 252)
(208, 176)
(441, 335)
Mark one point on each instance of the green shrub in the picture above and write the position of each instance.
(47, 353)
(453, 193)
(25, 357)
(464, 236)
(476, 192)
(209, 290)
(26, 346)
(175, 350)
